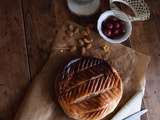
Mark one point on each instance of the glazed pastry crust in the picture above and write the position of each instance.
(88, 89)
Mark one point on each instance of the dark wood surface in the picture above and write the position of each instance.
(146, 39)
(39, 23)
(14, 72)
(27, 30)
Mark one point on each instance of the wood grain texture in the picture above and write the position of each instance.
(39, 22)
(146, 39)
(38, 18)
(14, 75)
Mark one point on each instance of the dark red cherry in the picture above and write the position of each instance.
(109, 25)
(117, 32)
(117, 25)
(123, 31)
(108, 33)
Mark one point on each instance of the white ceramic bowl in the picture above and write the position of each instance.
(119, 15)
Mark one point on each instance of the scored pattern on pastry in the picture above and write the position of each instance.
(89, 88)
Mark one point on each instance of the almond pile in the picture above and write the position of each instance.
(84, 41)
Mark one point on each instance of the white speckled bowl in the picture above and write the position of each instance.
(119, 15)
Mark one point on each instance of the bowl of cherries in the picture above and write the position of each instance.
(114, 26)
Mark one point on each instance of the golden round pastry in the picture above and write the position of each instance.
(88, 89)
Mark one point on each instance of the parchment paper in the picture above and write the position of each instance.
(40, 102)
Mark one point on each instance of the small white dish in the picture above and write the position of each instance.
(122, 16)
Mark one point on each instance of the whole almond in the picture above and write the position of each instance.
(88, 46)
(71, 34)
(84, 33)
(71, 28)
(76, 30)
(81, 42)
(73, 48)
(83, 50)
(91, 39)
(88, 30)
(86, 40)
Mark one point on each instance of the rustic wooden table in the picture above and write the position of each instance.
(26, 33)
